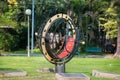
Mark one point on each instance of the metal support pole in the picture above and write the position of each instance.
(60, 68)
(28, 37)
(32, 42)
(28, 13)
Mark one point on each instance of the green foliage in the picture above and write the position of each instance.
(84, 13)
(12, 38)
(109, 21)
(7, 22)
(44, 9)
(22, 33)
(7, 41)
(8, 13)
(4, 18)
(9, 17)
(3, 7)
(37, 50)
(111, 28)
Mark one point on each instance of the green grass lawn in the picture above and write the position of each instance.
(76, 65)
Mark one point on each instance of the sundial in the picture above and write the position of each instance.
(58, 39)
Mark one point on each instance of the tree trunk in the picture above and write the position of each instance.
(117, 54)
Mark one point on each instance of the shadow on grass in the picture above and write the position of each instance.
(6, 69)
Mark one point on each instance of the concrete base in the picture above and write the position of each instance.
(71, 76)
(105, 75)
(13, 73)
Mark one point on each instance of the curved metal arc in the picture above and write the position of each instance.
(44, 33)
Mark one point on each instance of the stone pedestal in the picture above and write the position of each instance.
(105, 75)
(71, 76)
(13, 73)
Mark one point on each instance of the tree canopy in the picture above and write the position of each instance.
(97, 16)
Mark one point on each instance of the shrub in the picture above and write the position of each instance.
(8, 41)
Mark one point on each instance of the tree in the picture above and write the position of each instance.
(111, 23)
(8, 35)
(8, 9)
(44, 9)
(117, 6)
(87, 13)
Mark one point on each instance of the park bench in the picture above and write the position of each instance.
(93, 49)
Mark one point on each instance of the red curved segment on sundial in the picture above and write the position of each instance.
(68, 48)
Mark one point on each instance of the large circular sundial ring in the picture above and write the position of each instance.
(63, 57)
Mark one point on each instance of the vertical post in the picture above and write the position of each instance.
(32, 42)
(60, 68)
(28, 37)
(99, 30)
(28, 13)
